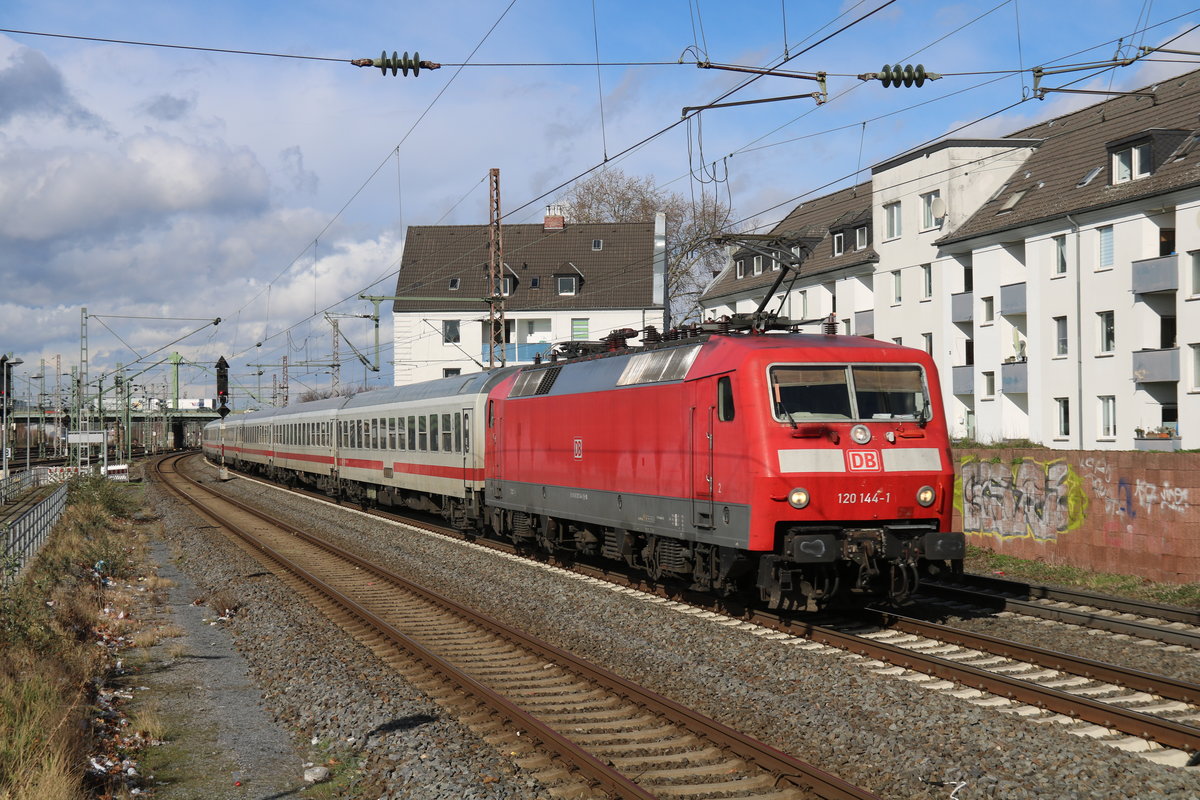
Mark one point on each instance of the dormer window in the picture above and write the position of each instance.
(567, 284)
(1131, 163)
(508, 285)
(839, 245)
(741, 268)
(860, 238)
(758, 265)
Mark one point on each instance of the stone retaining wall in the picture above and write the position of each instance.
(1129, 512)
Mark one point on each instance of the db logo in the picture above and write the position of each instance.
(578, 449)
(862, 460)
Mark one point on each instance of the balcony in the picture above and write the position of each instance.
(963, 379)
(519, 353)
(961, 306)
(1156, 274)
(1012, 299)
(1014, 376)
(864, 323)
(1156, 366)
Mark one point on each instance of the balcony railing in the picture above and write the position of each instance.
(1156, 366)
(519, 353)
(963, 379)
(1014, 377)
(961, 306)
(1156, 274)
(1012, 299)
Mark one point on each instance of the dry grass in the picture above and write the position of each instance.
(148, 721)
(48, 655)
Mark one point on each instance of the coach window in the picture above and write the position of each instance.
(447, 435)
(375, 444)
(412, 433)
(725, 399)
(391, 434)
(458, 448)
(422, 433)
(433, 433)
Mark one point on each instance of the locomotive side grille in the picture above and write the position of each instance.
(671, 555)
(548, 379)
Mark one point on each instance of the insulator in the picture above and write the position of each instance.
(829, 326)
(905, 75)
(651, 335)
(397, 63)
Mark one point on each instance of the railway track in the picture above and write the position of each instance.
(1171, 625)
(603, 731)
(1148, 714)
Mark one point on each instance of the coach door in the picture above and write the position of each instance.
(702, 417)
(467, 461)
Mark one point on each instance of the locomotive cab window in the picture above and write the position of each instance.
(725, 399)
(843, 392)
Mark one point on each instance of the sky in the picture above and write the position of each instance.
(163, 187)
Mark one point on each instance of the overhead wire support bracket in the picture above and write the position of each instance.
(821, 96)
(1040, 91)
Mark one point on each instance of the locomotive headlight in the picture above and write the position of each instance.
(798, 498)
(860, 434)
(926, 495)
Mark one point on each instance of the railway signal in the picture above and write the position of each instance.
(222, 386)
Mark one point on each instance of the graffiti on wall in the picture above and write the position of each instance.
(1026, 499)
(1030, 499)
(1121, 497)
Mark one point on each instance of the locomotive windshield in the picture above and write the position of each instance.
(854, 391)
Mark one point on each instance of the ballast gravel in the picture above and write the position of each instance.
(884, 733)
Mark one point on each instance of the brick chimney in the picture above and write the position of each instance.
(554, 219)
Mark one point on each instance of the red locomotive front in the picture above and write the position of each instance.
(803, 467)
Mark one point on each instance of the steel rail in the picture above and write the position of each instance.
(1041, 591)
(1089, 619)
(1162, 685)
(1133, 723)
(608, 779)
(783, 766)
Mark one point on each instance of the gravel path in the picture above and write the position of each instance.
(888, 734)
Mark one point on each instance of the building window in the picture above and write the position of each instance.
(929, 217)
(506, 287)
(450, 372)
(1060, 255)
(567, 284)
(989, 309)
(579, 329)
(535, 282)
(927, 341)
(898, 340)
(1131, 163)
(741, 268)
(758, 265)
(1196, 368)
(450, 331)
(831, 288)
(891, 218)
(1108, 416)
(1060, 336)
(454, 284)
(860, 238)
(1107, 329)
(597, 244)
(926, 281)
(1195, 254)
(838, 244)
(774, 265)
(989, 384)
(896, 293)
(1064, 415)
(1106, 246)
(804, 305)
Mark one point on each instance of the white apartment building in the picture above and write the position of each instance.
(561, 282)
(1053, 274)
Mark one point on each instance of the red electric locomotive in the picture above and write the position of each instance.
(806, 467)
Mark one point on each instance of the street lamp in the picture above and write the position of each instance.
(7, 362)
